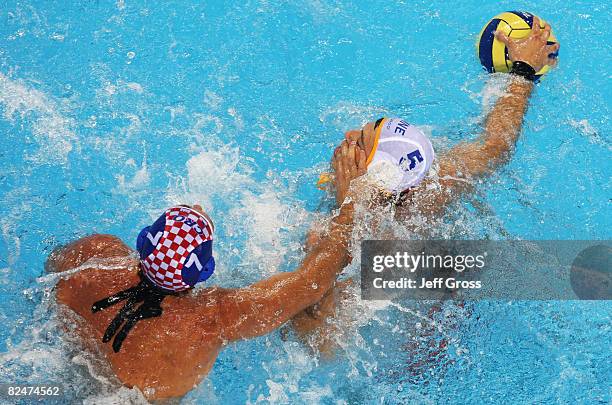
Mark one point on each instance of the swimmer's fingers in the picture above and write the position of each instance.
(335, 158)
(338, 154)
(535, 26)
(361, 163)
(341, 182)
(352, 135)
(357, 150)
(502, 37)
(358, 163)
(346, 174)
(339, 171)
(545, 33)
(344, 148)
(351, 161)
(552, 49)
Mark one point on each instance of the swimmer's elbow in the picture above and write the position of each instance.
(496, 153)
(481, 158)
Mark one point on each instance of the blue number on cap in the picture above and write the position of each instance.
(414, 158)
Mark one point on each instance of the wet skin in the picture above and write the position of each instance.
(167, 356)
(458, 169)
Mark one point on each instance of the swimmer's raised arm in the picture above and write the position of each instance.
(266, 305)
(467, 161)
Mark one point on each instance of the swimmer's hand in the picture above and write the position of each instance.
(532, 49)
(349, 162)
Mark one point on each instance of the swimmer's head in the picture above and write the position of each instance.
(176, 251)
(399, 155)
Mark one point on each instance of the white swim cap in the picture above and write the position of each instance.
(401, 156)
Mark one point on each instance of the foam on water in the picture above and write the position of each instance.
(158, 142)
(590, 132)
(346, 115)
(256, 221)
(385, 174)
(40, 357)
(53, 130)
(138, 183)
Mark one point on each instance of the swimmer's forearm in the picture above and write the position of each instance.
(466, 161)
(324, 262)
(501, 131)
(504, 122)
(266, 305)
(329, 257)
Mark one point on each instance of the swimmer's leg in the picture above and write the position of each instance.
(80, 251)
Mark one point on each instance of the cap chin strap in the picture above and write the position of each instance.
(146, 293)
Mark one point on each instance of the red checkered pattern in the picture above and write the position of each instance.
(185, 230)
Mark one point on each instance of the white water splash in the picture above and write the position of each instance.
(257, 213)
(346, 115)
(590, 132)
(41, 356)
(385, 175)
(53, 131)
(139, 181)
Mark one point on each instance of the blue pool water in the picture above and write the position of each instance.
(112, 111)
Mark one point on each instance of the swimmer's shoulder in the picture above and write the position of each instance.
(77, 253)
(93, 264)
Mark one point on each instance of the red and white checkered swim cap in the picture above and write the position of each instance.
(166, 248)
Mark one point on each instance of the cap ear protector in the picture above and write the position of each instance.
(140, 239)
(209, 269)
(200, 264)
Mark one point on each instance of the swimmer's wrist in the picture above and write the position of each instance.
(342, 224)
(523, 70)
(520, 87)
(345, 216)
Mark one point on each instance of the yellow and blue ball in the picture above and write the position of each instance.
(493, 53)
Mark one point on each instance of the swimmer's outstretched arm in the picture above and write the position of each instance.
(467, 161)
(266, 305)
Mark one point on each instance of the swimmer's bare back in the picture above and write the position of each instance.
(164, 356)
(169, 355)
